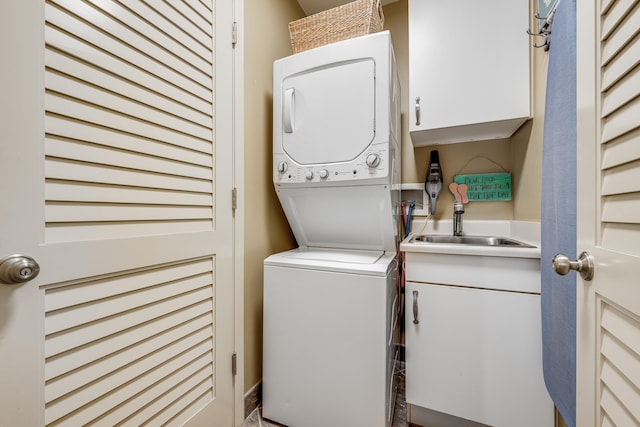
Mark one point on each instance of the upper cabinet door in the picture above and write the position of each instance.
(469, 67)
(328, 113)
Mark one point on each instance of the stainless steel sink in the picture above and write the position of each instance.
(469, 240)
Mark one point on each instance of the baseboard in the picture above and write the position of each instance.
(252, 398)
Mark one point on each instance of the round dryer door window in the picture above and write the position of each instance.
(329, 112)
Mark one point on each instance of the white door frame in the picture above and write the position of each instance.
(586, 141)
(238, 183)
(231, 15)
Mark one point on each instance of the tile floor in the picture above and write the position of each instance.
(399, 415)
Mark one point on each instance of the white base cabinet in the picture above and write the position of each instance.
(476, 354)
(469, 69)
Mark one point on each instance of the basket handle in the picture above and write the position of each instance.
(380, 14)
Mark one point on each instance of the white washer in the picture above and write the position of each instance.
(329, 305)
(329, 338)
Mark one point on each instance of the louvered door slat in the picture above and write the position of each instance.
(93, 37)
(617, 11)
(202, 8)
(106, 308)
(81, 131)
(183, 15)
(624, 328)
(159, 83)
(150, 31)
(153, 400)
(77, 412)
(176, 24)
(178, 373)
(620, 387)
(177, 412)
(80, 395)
(69, 296)
(620, 208)
(182, 32)
(615, 411)
(97, 116)
(622, 63)
(622, 357)
(96, 369)
(60, 364)
(96, 154)
(103, 212)
(84, 93)
(621, 93)
(88, 81)
(621, 121)
(83, 192)
(83, 12)
(99, 329)
(78, 171)
(619, 179)
(606, 422)
(66, 232)
(625, 148)
(620, 349)
(623, 34)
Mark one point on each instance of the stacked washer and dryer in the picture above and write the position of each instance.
(330, 306)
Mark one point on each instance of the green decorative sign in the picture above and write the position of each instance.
(485, 187)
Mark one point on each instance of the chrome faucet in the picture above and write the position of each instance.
(458, 210)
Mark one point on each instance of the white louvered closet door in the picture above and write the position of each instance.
(116, 157)
(608, 311)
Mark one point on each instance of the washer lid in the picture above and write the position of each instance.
(329, 112)
(336, 255)
(374, 263)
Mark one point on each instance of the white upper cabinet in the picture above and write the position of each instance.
(469, 70)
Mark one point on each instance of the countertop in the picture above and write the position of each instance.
(527, 232)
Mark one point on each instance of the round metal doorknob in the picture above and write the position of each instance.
(16, 269)
(584, 265)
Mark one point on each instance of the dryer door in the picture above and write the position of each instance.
(328, 113)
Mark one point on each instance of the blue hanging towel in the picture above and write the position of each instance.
(558, 214)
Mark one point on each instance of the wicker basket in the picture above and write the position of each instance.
(350, 20)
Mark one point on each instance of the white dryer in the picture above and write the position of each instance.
(329, 305)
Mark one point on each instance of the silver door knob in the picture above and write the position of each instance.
(16, 269)
(584, 265)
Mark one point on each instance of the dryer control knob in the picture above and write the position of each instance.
(309, 175)
(373, 160)
(324, 174)
(282, 167)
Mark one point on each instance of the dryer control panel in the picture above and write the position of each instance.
(374, 163)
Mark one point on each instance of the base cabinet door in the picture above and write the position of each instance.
(476, 354)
